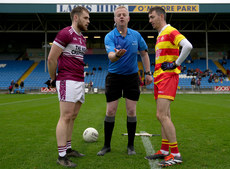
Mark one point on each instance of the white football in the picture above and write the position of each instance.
(90, 134)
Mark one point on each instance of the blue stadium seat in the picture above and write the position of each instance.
(13, 70)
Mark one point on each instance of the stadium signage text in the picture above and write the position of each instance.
(132, 8)
(168, 8)
(113, 1)
(48, 90)
(222, 88)
(91, 8)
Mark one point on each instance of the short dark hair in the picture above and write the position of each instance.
(159, 10)
(78, 10)
(120, 7)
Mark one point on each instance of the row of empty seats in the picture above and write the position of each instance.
(226, 64)
(98, 76)
(13, 70)
(38, 76)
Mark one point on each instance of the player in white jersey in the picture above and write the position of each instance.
(67, 55)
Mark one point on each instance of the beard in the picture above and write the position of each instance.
(81, 26)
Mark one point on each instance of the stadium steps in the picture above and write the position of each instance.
(27, 73)
(221, 68)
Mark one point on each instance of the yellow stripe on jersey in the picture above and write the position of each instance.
(178, 38)
(166, 97)
(166, 58)
(166, 44)
(167, 49)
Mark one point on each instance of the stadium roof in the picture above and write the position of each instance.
(114, 1)
(134, 6)
(52, 15)
(49, 16)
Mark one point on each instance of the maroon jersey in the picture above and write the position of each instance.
(70, 63)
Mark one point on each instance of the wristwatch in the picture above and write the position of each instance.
(148, 73)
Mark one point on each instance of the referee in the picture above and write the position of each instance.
(122, 45)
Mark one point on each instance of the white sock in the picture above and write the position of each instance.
(61, 151)
(164, 152)
(68, 145)
(176, 154)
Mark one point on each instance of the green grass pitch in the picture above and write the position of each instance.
(28, 125)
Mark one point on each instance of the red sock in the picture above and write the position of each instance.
(165, 145)
(174, 148)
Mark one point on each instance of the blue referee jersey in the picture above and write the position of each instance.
(133, 42)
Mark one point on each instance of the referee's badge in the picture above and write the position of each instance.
(134, 43)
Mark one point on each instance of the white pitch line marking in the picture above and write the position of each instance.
(149, 150)
(23, 101)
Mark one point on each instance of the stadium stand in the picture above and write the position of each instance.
(38, 77)
(185, 80)
(97, 69)
(12, 70)
(96, 76)
(225, 63)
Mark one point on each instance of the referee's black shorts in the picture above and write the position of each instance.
(122, 85)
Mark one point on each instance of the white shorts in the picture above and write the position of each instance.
(71, 91)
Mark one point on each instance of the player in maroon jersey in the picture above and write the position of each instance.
(67, 55)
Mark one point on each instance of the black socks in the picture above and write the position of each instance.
(131, 129)
(108, 129)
